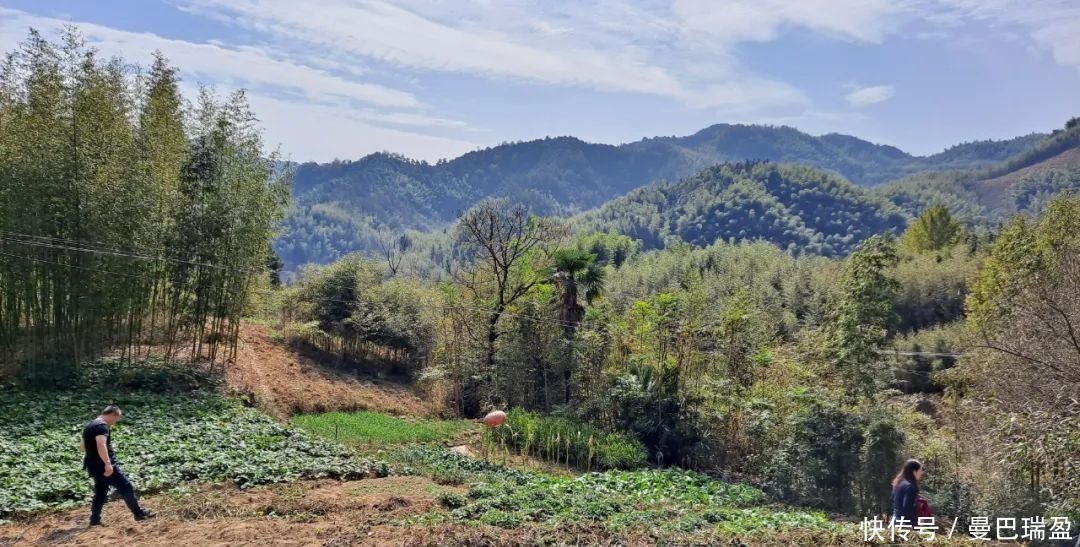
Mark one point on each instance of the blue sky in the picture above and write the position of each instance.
(437, 78)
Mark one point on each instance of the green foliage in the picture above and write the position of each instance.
(819, 464)
(796, 208)
(375, 427)
(838, 458)
(164, 439)
(672, 500)
(1059, 141)
(564, 441)
(349, 309)
(1023, 182)
(1023, 308)
(452, 500)
(862, 317)
(933, 230)
(638, 499)
(879, 458)
(649, 404)
(127, 219)
(343, 206)
(917, 373)
(933, 287)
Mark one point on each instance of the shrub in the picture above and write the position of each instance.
(568, 442)
(452, 500)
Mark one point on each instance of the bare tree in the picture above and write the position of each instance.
(393, 249)
(499, 239)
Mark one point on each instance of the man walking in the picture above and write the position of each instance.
(100, 462)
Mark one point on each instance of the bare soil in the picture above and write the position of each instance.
(324, 512)
(992, 192)
(284, 382)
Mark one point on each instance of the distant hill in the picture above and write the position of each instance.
(1022, 183)
(347, 206)
(795, 207)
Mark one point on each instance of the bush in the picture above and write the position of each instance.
(568, 442)
(452, 500)
(649, 403)
(819, 464)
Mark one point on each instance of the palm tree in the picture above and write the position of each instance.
(576, 271)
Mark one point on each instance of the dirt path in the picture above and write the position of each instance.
(307, 513)
(285, 382)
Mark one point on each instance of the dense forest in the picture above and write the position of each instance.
(1025, 182)
(127, 219)
(797, 208)
(348, 206)
(813, 375)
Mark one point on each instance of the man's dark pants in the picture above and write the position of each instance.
(101, 492)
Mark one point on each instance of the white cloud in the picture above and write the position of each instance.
(865, 96)
(312, 113)
(396, 35)
(760, 20)
(319, 132)
(601, 44)
(1053, 25)
(238, 66)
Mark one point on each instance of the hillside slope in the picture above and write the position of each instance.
(1023, 183)
(796, 207)
(348, 206)
(284, 381)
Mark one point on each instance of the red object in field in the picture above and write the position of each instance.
(495, 418)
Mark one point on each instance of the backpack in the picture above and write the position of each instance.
(922, 508)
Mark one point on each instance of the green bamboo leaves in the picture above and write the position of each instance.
(127, 218)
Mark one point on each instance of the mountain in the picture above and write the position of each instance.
(347, 206)
(1023, 183)
(795, 207)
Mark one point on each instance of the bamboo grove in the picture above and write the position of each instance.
(130, 221)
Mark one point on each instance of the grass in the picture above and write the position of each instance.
(165, 439)
(374, 427)
(567, 442)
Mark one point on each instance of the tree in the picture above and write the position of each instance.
(127, 225)
(1024, 310)
(862, 316)
(574, 271)
(1025, 304)
(934, 230)
(393, 249)
(500, 241)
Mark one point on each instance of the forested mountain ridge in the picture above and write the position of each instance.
(1025, 182)
(346, 206)
(795, 207)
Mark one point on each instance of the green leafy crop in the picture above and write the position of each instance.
(163, 440)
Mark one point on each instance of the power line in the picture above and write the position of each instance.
(83, 242)
(45, 245)
(75, 266)
(441, 308)
(918, 353)
(558, 322)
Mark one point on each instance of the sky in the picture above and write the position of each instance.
(431, 79)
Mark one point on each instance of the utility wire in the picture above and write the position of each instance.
(558, 322)
(83, 242)
(44, 245)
